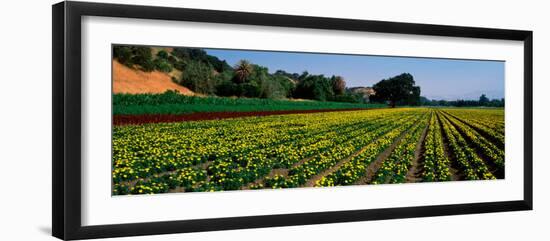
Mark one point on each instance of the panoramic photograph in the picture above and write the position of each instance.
(203, 120)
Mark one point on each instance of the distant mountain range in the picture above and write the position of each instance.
(491, 94)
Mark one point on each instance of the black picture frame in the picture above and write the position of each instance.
(66, 47)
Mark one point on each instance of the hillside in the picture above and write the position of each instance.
(134, 81)
(193, 71)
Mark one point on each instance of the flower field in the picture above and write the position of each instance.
(394, 145)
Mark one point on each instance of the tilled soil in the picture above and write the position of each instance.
(164, 118)
(415, 172)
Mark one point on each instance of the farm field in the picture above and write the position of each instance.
(339, 148)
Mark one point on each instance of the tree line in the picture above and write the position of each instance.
(209, 75)
(482, 101)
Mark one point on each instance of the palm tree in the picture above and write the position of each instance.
(243, 69)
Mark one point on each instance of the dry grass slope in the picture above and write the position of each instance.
(132, 81)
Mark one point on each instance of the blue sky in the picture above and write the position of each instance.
(438, 78)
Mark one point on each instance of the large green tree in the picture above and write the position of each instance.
(314, 87)
(338, 85)
(483, 100)
(397, 89)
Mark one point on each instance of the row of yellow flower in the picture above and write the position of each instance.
(141, 151)
(258, 163)
(356, 167)
(436, 164)
(472, 166)
(346, 146)
(489, 122)
(238, 151)
(230, 154)
(396, 166)
(483, 145)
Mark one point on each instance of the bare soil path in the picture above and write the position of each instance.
(132, 183)
(278, 171)
(456, 175)
(311, 182)
(415, 172)
(377, 163)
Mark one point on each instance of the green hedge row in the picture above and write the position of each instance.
(171, 102)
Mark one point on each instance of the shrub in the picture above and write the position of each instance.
(143, 57)
(199, 78)
(162, 65)
(123, 54)
(162, 55)
(227, 88)
(350, 98)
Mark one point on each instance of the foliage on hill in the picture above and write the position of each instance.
(208, 75)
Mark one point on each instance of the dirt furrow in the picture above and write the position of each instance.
(415, 172)
(278, 171)
(377, 163)
(165, 118)
(490, 164)
(481, 132)
(311, 182)
(132, 183)
(456, 175)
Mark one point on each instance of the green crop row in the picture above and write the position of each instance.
(173, 103)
